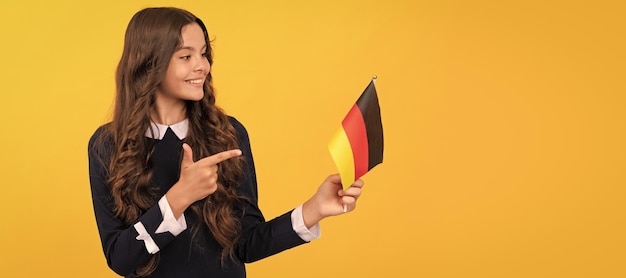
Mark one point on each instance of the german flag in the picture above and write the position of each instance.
(357, 146)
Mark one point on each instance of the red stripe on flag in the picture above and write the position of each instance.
(354, 126)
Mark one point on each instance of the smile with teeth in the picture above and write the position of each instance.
(195, 81)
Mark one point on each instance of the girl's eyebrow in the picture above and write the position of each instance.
(189, 48)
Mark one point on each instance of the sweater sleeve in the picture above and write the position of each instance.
(125, 250)
(259, 239)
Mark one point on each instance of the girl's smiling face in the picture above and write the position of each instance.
(188, 67)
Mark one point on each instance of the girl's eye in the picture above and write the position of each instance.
(186, 57)
(204, 54)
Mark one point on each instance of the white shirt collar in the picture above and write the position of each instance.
(180, 129)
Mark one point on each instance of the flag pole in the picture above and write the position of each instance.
(345, 206)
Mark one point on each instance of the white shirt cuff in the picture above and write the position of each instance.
(297, 223)
(170, 224)
(147, 239)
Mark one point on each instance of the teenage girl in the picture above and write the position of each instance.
(172, 177)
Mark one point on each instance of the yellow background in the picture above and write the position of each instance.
(504, 130)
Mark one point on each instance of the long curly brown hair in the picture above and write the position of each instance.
(151, 39)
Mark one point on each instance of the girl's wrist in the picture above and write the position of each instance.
(177, 201)
(311, 213)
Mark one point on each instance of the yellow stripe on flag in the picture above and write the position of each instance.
(341, 152)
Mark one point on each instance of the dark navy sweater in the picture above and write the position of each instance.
(180, 256)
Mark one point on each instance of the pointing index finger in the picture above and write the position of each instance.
(219, 157)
